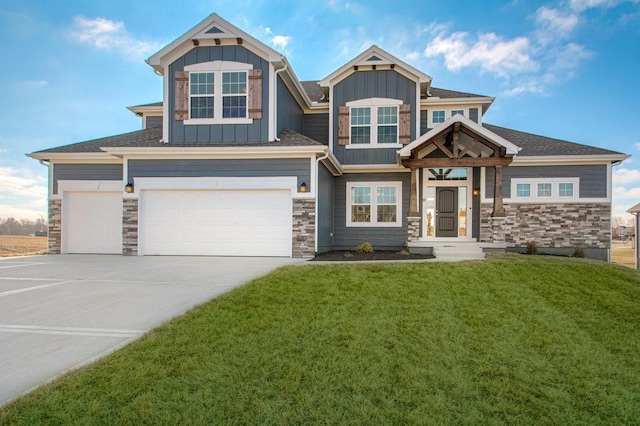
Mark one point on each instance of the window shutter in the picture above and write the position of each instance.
(182, 95)
(255, 94)
(405, 124)
(343, 125)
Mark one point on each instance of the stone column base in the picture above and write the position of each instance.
(413, 229)
(304, 227)
(130, 226)
(54, 240)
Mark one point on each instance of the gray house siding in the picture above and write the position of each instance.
(316, 126)
(348, 238)
(85, 172)
(153, 121)
(258, 131)
(299, 167)
(424, 121)
(289, 112)
(372, 84)
(325, 210)
(593, 178)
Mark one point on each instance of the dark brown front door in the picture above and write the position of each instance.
(446, 212)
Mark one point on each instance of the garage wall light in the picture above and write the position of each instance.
(476, 191)
(128, 188)
(303, 187)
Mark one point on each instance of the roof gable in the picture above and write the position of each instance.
(375, 56)
(212, 29)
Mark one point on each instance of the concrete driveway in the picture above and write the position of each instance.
(60, 312)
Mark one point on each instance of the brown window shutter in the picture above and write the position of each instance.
(405, 124)
(343, 125)
(255, 94)
(182, 95)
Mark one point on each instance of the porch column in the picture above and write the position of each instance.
(498, 208)
(413, 219)
(413, 201)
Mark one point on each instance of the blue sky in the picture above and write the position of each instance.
(562, 68)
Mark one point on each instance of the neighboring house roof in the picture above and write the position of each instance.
(436, 92)
(634, 209)
(152, 104)
(536, 145)
(150, 138)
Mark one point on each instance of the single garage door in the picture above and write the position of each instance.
(92, 222)
(216, 222)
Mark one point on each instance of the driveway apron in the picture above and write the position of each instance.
(63, 311)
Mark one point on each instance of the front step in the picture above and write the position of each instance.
(450, 251)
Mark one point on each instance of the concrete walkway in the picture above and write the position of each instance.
(60, 312)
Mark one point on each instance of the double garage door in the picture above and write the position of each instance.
(215, 222)
(185, 222)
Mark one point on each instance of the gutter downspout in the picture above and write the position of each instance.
(317, 190)
(275, 102)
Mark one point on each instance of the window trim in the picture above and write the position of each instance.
(218, 68)
(555, 190)
(373, 104)
(374, 204)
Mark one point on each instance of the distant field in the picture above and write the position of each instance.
(624, 256)
(19, 245)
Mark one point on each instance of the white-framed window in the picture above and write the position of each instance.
(374, 204)
(545, 189)
(437, 117)
(457, 111)
(374, 122)
(218, 93)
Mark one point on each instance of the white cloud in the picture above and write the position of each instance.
(30, 84)
(581, 5)
(490, 52)
(553, 24)
(23, 195)
(625, 176)
(637, 145)
(110, 35)
(281, 41)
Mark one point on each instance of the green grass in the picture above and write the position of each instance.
(516, 339)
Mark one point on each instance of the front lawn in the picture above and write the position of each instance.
(515, 339)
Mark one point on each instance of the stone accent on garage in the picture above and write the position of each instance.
(304, 227)
(550, 225)
(130, 226)
(54, 241)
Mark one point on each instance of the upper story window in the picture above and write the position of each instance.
(457, 111)
(218, 92)
(438, 117)
(374, 123)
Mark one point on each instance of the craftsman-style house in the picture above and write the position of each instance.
(243, 159)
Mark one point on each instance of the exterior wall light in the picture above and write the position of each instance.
(476, 191)
(128, 188)
(303, 187)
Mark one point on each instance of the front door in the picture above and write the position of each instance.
(447, 212)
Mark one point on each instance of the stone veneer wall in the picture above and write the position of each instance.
(304, 227)
(413, 229)
(54, 240)
(550, 225)
(130, 226)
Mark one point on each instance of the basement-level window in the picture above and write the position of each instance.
(374, 204)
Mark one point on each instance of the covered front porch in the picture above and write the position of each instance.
(447, 166)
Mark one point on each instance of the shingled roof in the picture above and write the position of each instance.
(150, 138)
(313, 90)
(536, 145)
(451, 94)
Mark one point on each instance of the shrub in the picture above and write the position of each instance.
(578, 251)
(364, 248)
(532, 247)
(348, 254)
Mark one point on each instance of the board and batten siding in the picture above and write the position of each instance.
(383, 238)
(258, 131)
(152, 121)
(593, 178)
(325, 209)
(316, 127)
(372, 84)
(299, 167)
(289, 112)
(103, 171)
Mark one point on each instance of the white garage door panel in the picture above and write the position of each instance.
(93, 222)
(216, 222)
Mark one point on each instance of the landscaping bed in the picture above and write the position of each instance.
(353, 256)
